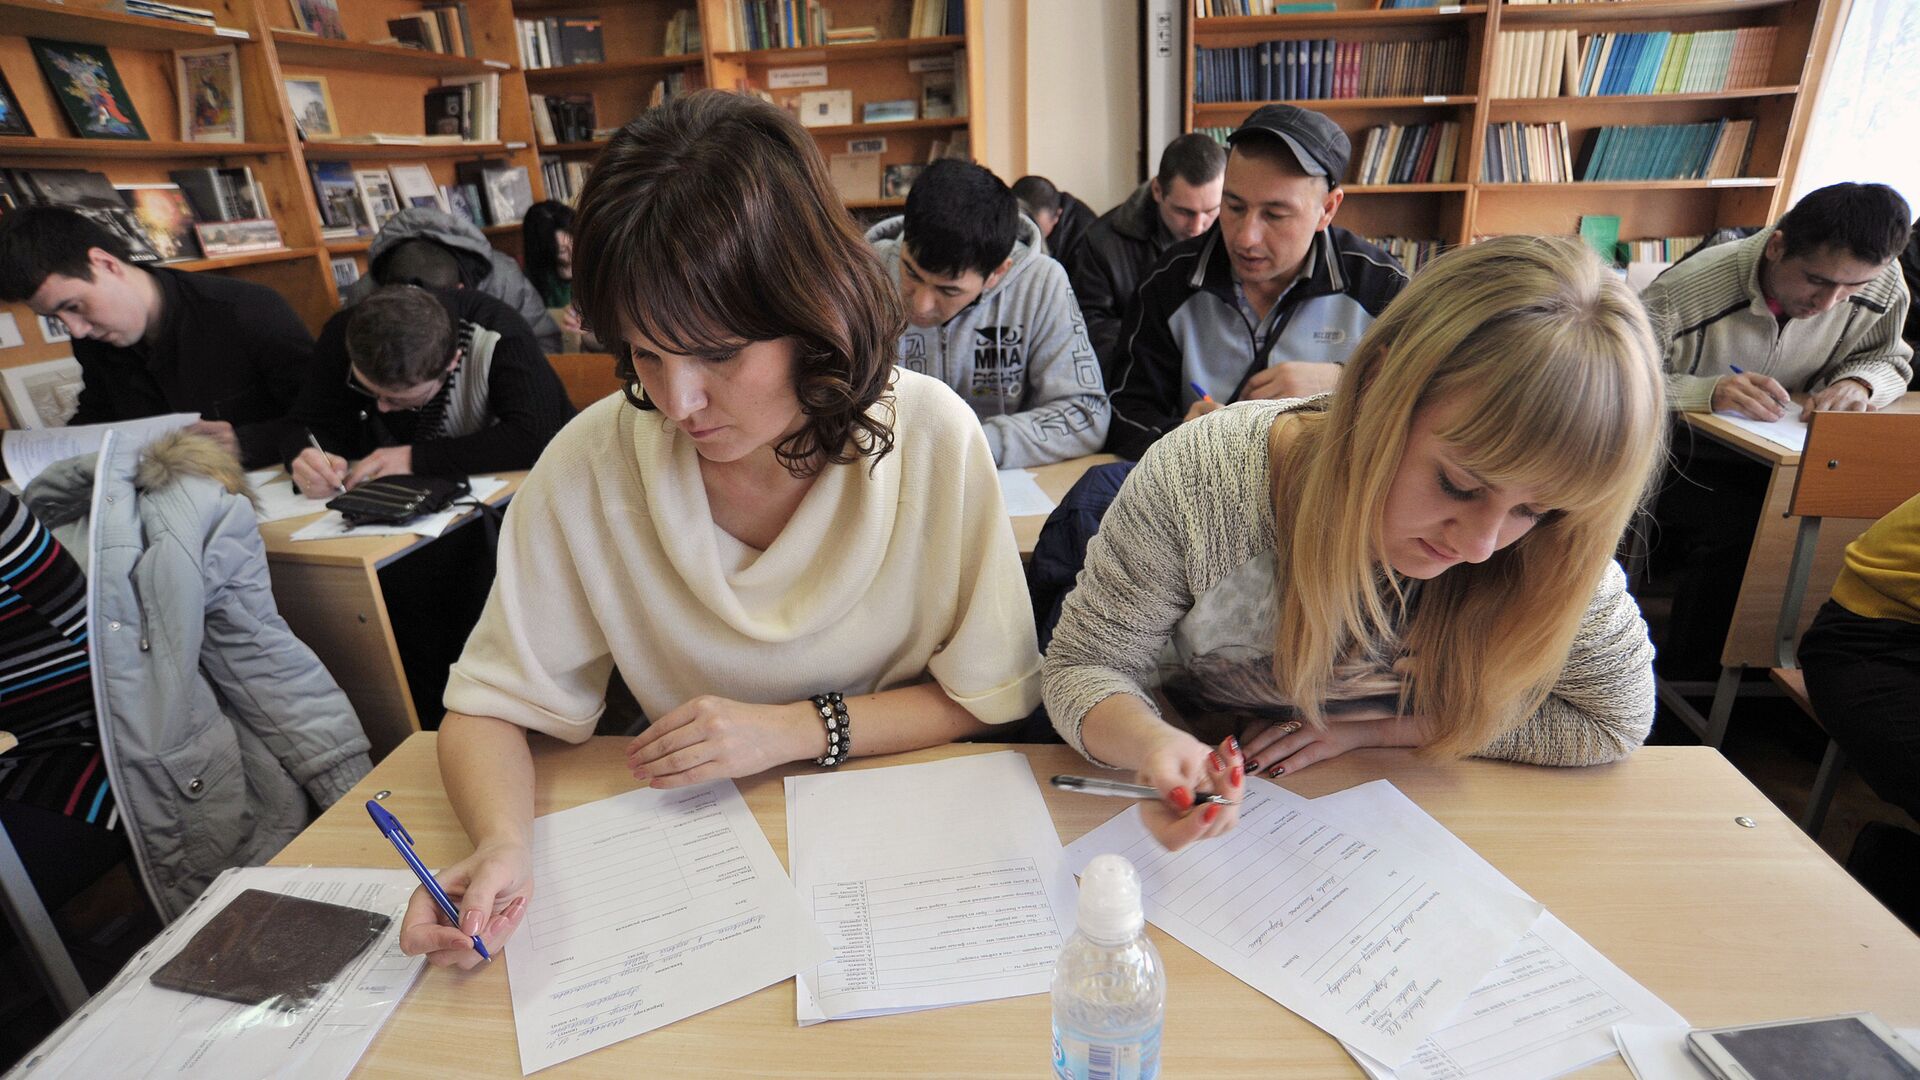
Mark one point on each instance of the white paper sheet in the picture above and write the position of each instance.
(1020, 490)
(648, 908)
(934, 884)
(27, 452)
(333, 526)
(1789, 431)
(136, 1029)
(1546, 1010)
(277, 499)
(1376, 947)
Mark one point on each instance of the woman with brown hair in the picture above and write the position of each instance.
(1423, 558)
(789, 549)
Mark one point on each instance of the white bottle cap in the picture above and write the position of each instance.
(1110, 899)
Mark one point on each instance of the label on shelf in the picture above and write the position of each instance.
(1450, 9)
(787, 78)
(516, 146)
(1435, 99)
(919, 65)
(232, 32)
(501, 64)
(1726, 181)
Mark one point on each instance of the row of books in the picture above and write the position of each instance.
(202, 212)
(559, 41)
(159, 9)
(441, 28)
(1555, 63)
(934, 18)
(562, 118)
(357, 202)
(467, 106)
(1527, 154)
(1412, 254)
(564, 179)
(683, 34)
(1409, 154)
(1658, 249)
(1218, 9)
(1541, 153)
(1323, 68)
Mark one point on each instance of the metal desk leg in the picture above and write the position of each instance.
(1724, 694)
(34, 927)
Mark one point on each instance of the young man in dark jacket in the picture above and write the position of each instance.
(1063, 219)
(443, 382)
(1120, 249)
(1266, 304)
(152, 340)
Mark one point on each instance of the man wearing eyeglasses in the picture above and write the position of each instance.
(441, 382)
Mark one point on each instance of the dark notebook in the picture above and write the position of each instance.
(268, 948)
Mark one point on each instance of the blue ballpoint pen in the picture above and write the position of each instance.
(1201, 390)
(391, 828)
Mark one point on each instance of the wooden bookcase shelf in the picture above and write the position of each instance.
(866, 50)
(115, 29)
(305, 50)
(356, 151)
(630, 66)
(107, 148)
(941, 124)
(251, 258)
(1457, 213)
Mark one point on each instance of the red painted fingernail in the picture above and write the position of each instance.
(1233, 746)
(1212, 811)
(1214, 758)
(1181, 798)
(1236, 776)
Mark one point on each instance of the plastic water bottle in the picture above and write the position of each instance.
(1109, 987)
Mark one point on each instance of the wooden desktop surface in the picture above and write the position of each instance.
(1643, 858)
(1055, 480)
(373, 551)
(1766, 450)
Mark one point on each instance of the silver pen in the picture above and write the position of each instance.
(339, 489)
(1093, 785)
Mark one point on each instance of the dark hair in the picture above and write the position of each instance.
(1868, 220)
(400, 336)
(1196, 158)
(710, 222)
(419, 261)
(539, 247)
(1036, 193)
(960, 217)
(37, 242)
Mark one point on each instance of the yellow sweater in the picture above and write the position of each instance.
(888, 575)
(1881, 575)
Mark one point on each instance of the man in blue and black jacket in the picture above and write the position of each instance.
(1266, 304)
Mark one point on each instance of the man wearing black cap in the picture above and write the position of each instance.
(1267, 303)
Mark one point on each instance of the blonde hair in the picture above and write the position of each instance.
(1556, 382)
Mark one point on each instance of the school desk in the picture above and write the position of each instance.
(331, 593)
(1055, 480)
(1643, 858)
(1756, 611)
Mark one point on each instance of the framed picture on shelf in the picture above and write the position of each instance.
(463, 202)
(898, 180)
(208, 84)
(312, 105)
(42, 395)
(377, 196)
(339, 200)
(887, 112)
(165, 215)
(219, 238)
(89, 89)
(320, 17)
(414, 186)
(13, 121)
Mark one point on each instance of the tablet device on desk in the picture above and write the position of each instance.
(1854, 1045)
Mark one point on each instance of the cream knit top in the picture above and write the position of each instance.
(1177, 593)
(888, 574)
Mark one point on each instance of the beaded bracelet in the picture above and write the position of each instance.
(832, 707)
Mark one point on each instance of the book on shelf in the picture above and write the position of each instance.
(562, 118)
(91, 195)
(155, 9)
(935, 18)
(1412, 254)
(564, 179)
(466, 106)
(1408, 154)
(675, 83)
(321, 17)
(562, 41)
(505, 191)
(1215, 9)
(1327, 69)
(440, 28)
(377, 195)
(341, 216)
(1519, 153)
(1564, 62)
(852, 35)
(230, 194)
(1658, 249)
(166, 218)
(1710, 150)
(682, 37)
(1602, 234)
(414, 186)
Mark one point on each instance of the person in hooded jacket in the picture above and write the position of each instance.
(992, 315)
(481, 267)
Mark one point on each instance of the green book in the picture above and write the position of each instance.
(1674, 81)
(1602, 234)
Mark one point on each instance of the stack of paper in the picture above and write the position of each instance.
(1020, 491)
(934, 884)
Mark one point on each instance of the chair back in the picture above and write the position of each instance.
(588, 377)
(1857, 465)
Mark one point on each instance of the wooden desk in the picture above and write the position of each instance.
(1055, 480)
(329, 592)
(1642, 858)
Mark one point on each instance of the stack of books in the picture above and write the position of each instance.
(1413, 254)
(157, 9)
(1552, 63)
(1714, 150)
(1323, 69)
(852, 35)
(441, 28)
(466, 107)
(1528, 154)
(562, 118)
(562, 40)
(1409, 154)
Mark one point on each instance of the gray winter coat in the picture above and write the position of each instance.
(483, 266)
(1019, 355)
(216, 723)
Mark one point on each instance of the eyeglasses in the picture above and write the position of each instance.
(412, 398)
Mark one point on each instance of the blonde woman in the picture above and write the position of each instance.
(1423, 558)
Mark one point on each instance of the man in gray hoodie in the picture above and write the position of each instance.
(479, 265)
(992, 316)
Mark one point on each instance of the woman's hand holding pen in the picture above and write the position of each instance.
(318, 474)
(491, 887)
(1181, 765)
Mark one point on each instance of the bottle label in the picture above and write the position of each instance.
(1076, 1058)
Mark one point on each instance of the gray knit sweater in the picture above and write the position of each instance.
(1177, 593)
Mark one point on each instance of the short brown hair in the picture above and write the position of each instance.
(400, 336)
(708, 223)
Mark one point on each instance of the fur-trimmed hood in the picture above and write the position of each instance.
(62, 493)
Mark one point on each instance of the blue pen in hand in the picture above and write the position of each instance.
(391, 828)
(1201, 390)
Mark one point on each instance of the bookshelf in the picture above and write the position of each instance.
(1475, 207)
(379, 87)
